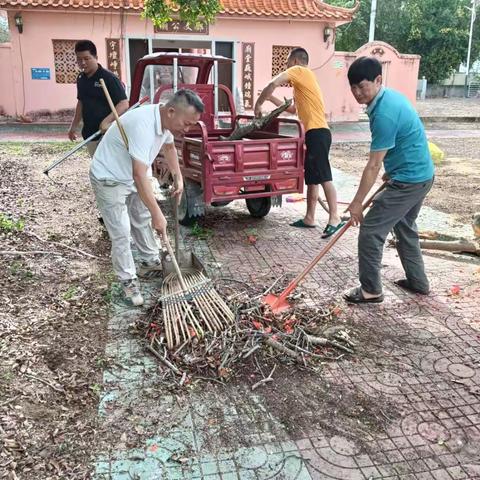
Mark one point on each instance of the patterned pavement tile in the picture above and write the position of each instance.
(417, 369)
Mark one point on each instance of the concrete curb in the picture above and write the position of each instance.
(427, 118)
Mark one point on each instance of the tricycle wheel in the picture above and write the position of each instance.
(259, 207)
(185, 217)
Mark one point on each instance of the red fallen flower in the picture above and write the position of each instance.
(257, 325)
(252, 239)
(337, 311)
(287, 328)
(455, 290)
(267, 330)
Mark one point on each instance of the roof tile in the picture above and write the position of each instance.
(306, 9)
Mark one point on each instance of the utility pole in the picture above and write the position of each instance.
(472, 21)
(373, 14)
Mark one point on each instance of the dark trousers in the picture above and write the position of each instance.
(396, 208)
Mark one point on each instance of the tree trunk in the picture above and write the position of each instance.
(242, 131)
(459, 246)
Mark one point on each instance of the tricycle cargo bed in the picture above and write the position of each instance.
(259, 168)
(264, 164)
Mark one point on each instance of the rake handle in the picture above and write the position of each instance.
(115, 113)
(56, 163)
(175, 218)
(175, 265)
(294, 283)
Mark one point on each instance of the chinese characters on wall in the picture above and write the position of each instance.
(178, 26)
(248, 74)
(113, 56)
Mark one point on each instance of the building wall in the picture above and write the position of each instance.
(34, 48)
(40, 27)
(20, 94)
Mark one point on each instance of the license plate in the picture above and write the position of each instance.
(252, 178)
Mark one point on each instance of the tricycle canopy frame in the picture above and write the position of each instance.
(204, 63)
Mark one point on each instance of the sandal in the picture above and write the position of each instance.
(405, 284)
(331, 229)
(356, 296)
(301, 224)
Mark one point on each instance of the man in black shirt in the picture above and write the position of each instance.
(92, 106)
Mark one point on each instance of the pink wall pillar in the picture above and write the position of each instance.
(400, 71)
(7, 85)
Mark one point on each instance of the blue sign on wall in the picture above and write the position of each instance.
(40, 74)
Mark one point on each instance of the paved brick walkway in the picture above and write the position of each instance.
(406, 406)
(342, 132)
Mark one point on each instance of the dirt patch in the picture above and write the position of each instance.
(54, 314)
(305, 404)
(457, 182)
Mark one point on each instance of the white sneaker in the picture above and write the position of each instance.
(151, 269)
(131, 290)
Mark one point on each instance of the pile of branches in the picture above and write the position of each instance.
(303, 335)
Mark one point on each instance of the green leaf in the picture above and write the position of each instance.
(193, 12)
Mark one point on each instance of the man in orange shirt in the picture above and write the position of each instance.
(311, 111)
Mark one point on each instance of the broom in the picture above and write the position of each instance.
(185, 296)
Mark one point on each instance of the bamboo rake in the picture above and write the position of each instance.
(178, 313)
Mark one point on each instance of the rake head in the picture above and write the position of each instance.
(278, 304)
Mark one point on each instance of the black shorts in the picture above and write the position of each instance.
(317, 165)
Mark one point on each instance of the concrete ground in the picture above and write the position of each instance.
(449, 107)
(417, 368)
(342, 132)
(405, 406)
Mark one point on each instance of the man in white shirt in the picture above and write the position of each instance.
(122, 187)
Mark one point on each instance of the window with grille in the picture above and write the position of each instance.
(280, 55)
(66, 68)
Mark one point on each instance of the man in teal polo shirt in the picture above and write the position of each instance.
(399, 142)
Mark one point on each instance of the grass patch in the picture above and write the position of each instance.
(70, 293)
(20, 270)
(96, 389)
(14, 148)
(19, 149)
(200, 232)
(108, 286)
(9, 225)
(6, 376)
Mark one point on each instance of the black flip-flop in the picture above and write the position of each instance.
(331, 229)
(356, 296)
(301, 224)
(405, 284)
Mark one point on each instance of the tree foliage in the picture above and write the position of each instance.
(191, 11)
(435, 29)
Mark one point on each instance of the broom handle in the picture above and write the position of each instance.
(324, 250)
(115, 113)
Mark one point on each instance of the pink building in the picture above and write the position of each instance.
(39, 69)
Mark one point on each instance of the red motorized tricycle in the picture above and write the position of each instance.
(259, 168)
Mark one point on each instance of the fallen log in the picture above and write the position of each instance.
(458, 246)
(242, 131)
